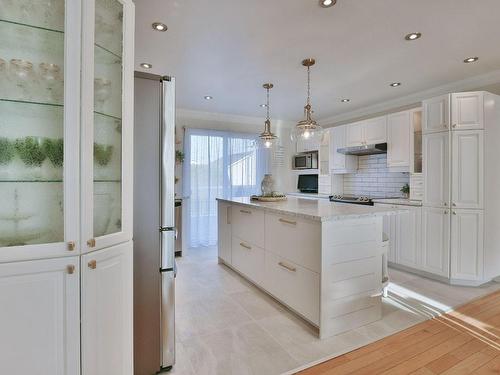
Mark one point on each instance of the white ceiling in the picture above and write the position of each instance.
(228, 48)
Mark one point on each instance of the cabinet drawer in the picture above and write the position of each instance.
(294, 285)
(248, 259)
(295, 239)
(248, 224)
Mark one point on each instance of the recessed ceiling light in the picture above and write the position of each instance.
(208, 97)
(395, 84)
(471, 59)
(327, 3)
(158, 26)
(345, 100)
(263, 105)
(146, 66)
(413, 36)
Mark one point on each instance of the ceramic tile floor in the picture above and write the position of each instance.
(226, 326)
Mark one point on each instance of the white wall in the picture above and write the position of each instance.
(242, 124)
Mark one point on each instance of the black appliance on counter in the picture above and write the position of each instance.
(354, 199)
(308, 183)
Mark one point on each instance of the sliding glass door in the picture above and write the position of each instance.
(218, 165)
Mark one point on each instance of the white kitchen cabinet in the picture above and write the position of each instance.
(436, 169)
(398, 141)
(467, 247)
(355, 134)
(40, 317)
(390, 229)
(365, 132)
(436, 241)
(224, 231)
(340, 163)
(68, 191)
(107, 112)
(375, 130)
(436, 113)
(409, 237)
(249, 260)
(467, 187)
(467, 111)
(307, 145)
(107, 325)
(248, 224)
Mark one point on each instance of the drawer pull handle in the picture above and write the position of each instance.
(92, 264)
(70, 269)
(289, 268)
(245, 212)
(242, 244)
(288, 222)
(71, 245)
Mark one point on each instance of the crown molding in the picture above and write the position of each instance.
(414, 100)
(183, 114)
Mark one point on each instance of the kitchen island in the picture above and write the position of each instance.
(323, 260)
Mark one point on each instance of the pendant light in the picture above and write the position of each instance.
(307, 129)
(267, 137)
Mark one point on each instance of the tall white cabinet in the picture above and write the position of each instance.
(66, 76)
(461, 213)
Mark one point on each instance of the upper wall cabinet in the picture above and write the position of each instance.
(467, 111)
(367, 132)
(398, 141)
(107, 123)
(340, 163)
(436, 114)
(39, 128)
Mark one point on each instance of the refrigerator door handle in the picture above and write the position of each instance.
(168, 320)
(167, 250)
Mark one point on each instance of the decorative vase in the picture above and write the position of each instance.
(267, 185)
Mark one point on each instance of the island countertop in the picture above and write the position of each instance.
(312, 209)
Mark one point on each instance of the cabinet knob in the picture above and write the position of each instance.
(454, 212)
(454, 204)
(70, 269)
(454, 125)
(446, 212)
(91, 242)
(71, 245)
(445, 204)
(92, 264)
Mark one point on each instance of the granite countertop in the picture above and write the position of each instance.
(313, 209)
(398, 201)
(309, 195)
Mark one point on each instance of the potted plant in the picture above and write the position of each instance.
(102, 154)
(405, 190)
(179, 156)
(30, 151)
(7, 151)
(54, 149)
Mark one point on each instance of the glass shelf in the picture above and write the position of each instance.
(106, 54)
(107, 116)
(52, 181)
(32, 26)
(30, 102)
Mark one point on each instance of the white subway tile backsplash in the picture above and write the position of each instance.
(373, 178)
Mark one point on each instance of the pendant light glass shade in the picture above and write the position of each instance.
(267, 138)
(307, 129)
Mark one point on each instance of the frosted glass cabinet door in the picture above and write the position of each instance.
(107, 115)
(39, 127)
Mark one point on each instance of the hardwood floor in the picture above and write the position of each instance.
(465, 341)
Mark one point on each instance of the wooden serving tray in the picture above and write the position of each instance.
(267, 199)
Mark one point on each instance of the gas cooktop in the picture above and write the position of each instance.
(355, 199)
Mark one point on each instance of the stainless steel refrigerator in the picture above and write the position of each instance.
(154, 227)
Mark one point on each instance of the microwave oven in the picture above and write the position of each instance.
(306, 160)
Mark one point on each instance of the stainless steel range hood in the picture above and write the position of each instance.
(378, 148)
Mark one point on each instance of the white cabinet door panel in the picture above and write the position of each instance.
(436, 241)
(436, 169)
(341, 163)
(409, 237)
(354, 134)
(436, 114)
(224, 231)
(248, 224)
(40, 317)
(107, 327)
(467, 233)
(375, 130)
(398, 140)
(249, 260)
(468, 169)
(467, 111)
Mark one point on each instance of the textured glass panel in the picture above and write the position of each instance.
(107, 117)
(31, 122)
